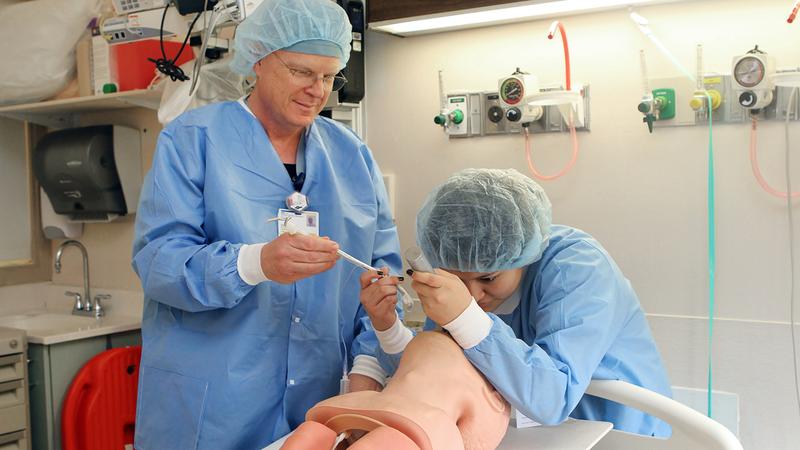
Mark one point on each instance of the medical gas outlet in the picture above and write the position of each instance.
(752, 75)
(461, 117)
(700, 99)
(659, 105)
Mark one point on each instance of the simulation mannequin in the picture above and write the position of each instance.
(436, 401)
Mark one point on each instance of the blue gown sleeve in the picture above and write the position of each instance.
(386, 252)
(576, 321)
(175, 260)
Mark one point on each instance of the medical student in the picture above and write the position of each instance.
(244, 329)
(540, 309)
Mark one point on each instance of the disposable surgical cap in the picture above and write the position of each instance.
(484, 220)
(317, 27)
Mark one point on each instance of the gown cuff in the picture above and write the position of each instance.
(471, 327)
(249, 264)
(368, 366)
(395, 339)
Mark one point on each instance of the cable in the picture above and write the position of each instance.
(757, 169)
(217, 12)
(711, 248)
(344, 383)
(644, 26)
(164, 64)
(791, 249)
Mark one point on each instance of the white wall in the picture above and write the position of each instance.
(643, 196)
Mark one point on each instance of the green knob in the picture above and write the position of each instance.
(643, 108)
(440, 119)
(458, 116)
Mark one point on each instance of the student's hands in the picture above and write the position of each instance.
(379, 298)
(292, 257)
(443, 295)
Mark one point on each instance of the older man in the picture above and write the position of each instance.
(245, 327)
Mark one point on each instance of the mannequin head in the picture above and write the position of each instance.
(436, 400)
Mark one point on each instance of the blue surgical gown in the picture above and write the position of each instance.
(578, 319)
(226, 365)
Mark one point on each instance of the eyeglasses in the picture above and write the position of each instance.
(305, 78)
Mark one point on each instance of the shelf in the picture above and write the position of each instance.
(61, 113)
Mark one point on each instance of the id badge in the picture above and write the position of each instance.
(305, 222)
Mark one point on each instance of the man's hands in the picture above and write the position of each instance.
(442, 294)
(379, 298)
(292, 257)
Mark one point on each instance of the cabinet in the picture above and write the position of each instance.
(380, 10)
(14, 429)
(52, 368)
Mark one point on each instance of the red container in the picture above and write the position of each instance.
(99, 410)
(130, 66)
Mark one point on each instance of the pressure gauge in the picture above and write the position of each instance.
(512, 90)
(749, 71)
(516, 89)
(752, 79)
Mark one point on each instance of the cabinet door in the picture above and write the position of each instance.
(65, 361)
(379, 10)
(51, 370)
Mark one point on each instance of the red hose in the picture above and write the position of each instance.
(757, 170)
(566, 49)
(573, 135)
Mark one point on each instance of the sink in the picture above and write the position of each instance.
(47, 321)
(52, 327)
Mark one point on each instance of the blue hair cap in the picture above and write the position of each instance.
(317, 27)
(485, 220)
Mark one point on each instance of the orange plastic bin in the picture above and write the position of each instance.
(130, 67)
(100, 406)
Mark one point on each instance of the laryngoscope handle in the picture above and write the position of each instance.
(416, 259)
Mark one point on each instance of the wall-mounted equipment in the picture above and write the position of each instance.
(454, 112)
(486, 114)
(752, 74)
(90, 174)
(658, 104)
(516, 93)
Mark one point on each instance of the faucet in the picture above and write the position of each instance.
(85, 307)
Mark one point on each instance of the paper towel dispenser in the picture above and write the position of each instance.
(90, 174)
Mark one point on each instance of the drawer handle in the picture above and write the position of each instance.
(10, 360)
(10, 386)
(12, 437)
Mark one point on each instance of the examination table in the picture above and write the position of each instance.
(690, 429)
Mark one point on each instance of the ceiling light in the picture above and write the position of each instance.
(493, 15)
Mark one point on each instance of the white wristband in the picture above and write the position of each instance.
(369, 366)
(249, 264)
(470, 327)
(395, 339)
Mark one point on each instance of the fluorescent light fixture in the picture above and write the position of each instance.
(494, 15)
